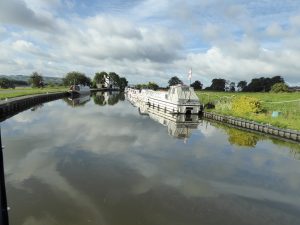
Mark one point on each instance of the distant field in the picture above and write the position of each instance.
(288, 104)
(17, 92)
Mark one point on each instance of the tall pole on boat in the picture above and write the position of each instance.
(190, 75)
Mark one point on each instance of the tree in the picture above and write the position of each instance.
(123, 83)
(114, 78)
(197, 85)
(75, 77)
(256, 85)
(36, 80)
(263, 84)
(6, 83)
(241, 85)
(150, 85)
(174, 81)
(277, 79)
(232, 86)
(279, 87)
(153, 86)
(218, 84)
(99, 78)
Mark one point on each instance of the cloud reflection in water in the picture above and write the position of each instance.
(109, 165)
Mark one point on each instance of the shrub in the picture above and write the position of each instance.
(245, 105)
(279, 87)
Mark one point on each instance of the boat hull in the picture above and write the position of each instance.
(78, 93)
(175, 108)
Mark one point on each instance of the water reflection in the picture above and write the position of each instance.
(240, 137)
(179, 126)
(244, 138)
(108, 97)
(110, 165)
(79, 101)
(36, 107)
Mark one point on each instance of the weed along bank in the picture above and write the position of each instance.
(278, 111)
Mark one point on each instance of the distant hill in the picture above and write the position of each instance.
(55, 80)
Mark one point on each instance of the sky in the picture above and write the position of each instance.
(152, 40)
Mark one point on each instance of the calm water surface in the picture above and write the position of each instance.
(103, 161)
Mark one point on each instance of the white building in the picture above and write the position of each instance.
(108, 83)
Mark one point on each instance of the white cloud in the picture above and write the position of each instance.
(275, 30)
(21, 45)
(154, 40)
(17, 13)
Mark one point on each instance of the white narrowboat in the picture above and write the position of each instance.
(179, 99)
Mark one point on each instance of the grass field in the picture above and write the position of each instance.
(17, 92)
(287, 104)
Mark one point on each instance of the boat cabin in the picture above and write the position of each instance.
(181, 94)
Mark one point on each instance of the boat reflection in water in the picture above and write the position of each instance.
(179, 126)
(80, 101)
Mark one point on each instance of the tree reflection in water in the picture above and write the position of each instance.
(245, 138)
(108, 98)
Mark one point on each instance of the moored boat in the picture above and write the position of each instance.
(179, 99)
(77, 90)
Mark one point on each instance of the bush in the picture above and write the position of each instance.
(245, 105)
(279, 87)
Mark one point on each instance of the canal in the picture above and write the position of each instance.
(100, 160)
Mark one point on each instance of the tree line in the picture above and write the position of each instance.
(36, 79)
(262, 84)
(10, 83)
(100, 79)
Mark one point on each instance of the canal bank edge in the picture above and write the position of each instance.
(255, 126)
(13, 106)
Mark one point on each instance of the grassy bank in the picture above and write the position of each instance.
(17, 92)
(288, 104)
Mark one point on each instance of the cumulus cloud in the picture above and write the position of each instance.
(17, 13)
(152, 40)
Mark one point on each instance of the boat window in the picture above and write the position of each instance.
(185, 89)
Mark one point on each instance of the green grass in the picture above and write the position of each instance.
(18, 92)
(290, 111)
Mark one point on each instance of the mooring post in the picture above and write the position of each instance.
(3, 200)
